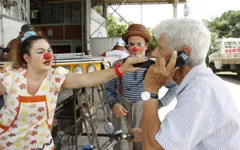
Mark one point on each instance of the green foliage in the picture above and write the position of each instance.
(115, 28)
(98, 9)
(154, 43)
(228, 25)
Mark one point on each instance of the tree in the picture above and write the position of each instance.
(228, 25)
(154, 43)
(115, 28)
(98, 9)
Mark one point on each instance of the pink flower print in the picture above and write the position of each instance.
(11, 135)
(33, 142)
(39, 118)
(40, 109)
(23, 86)
(34, 133)
(57, 80)
(25, 75)
(9, 143)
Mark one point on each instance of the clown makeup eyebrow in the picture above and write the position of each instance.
(42, 50)
(138, 44)
(49, 50)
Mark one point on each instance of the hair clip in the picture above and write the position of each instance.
(28, 34)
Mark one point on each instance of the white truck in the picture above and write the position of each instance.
(225, 55)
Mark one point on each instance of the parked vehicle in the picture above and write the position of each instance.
(225, 55)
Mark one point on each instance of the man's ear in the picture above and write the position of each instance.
(26, 58)
(186, 49)
(21, 34)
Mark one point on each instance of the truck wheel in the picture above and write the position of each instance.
(212, 67)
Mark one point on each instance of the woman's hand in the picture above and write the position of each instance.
(127, 65)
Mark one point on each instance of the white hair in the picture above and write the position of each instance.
(186, 32)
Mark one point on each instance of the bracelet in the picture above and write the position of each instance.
(116, 69)
(120, 75)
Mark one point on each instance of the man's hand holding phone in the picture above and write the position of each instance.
(160, 73)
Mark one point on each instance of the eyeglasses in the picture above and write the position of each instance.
(138, 44)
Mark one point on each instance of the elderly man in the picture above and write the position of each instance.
(205, 116)
(123, 93)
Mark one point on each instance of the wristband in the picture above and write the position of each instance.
(116, 69)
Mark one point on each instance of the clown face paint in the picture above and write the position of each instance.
(40, 55)
(47, 56)
(137, 45)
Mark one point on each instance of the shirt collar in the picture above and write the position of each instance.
(188, 78)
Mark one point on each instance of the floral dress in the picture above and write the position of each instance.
(26, 120)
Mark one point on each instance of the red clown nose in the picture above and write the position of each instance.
(47, 56)
(135, 49)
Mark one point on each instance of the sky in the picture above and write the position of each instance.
(153, 14)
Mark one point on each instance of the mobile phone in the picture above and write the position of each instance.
(145, 64)
(182, 59)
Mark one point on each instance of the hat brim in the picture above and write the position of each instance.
(120, 45)
(136, 33)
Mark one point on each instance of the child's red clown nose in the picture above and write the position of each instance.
(135, 49)
(47, 56)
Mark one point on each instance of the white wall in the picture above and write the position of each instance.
(98, 25)
(11, 29)
(100, 45)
